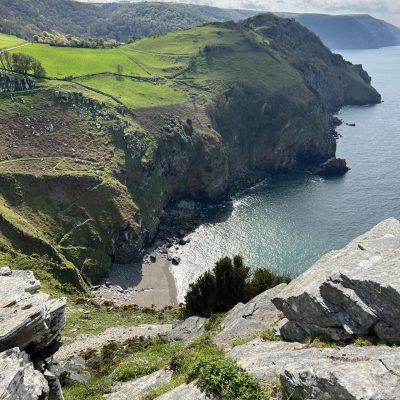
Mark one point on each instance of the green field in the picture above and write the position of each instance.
(135, 93)
(7, 41)
(61, 62)
(214, 52)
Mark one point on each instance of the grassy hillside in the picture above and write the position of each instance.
(89, 161)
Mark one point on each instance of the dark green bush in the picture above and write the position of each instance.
(229, 283)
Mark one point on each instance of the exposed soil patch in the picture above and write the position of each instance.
(50, 132)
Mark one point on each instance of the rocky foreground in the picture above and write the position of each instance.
(337, 330)
(30, 325)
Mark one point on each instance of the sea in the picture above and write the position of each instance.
(288, 222)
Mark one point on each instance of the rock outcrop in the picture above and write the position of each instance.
(348, 293)
(245, 320)
(29, 320)
(30, 325)
(19, 380)
(136, 389)
(14, 83)
(187, 330)
(333, 167)
(350, 373)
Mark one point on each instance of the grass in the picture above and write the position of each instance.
(136, 93)
(7, 41)
(47, 272)
(62, 62)
(186, 42)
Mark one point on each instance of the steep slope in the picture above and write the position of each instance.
(350, 31)
(88, 162)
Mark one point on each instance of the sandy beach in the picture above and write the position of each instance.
(142, 284)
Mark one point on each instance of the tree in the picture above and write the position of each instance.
(38, 69)
(6, 61)
(229, 283)
(22, 63)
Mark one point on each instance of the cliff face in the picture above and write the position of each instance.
(13, 83)
(86, 182)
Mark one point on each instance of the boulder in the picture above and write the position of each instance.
(245, 320)
(348, 293)
(72, 370)
(28, 318)
(187, 330)
(18, 378)
(185, 392)
(349, 373)
(136, 389)
(333, 167)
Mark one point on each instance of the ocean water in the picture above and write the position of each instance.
(287, 223)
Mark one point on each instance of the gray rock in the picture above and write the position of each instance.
(72, 370)
(187, 330)
(13, 83)
(185, 392)
(55, 391)
(136, 389)
(245, 320)
(28, 318)
(5, 271)
(351, 292)
(18, 378)
(350, 373)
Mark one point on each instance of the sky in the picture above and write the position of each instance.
(388, 10)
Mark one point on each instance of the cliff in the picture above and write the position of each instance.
(87, 170)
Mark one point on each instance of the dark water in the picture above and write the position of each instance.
(288, 223)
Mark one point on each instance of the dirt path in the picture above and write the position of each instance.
(15, 47)
(117, 334)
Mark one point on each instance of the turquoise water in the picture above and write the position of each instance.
(288, 223)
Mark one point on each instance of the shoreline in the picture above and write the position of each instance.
(148, 283)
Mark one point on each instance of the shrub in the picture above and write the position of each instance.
(223, 378)
(229, 283)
